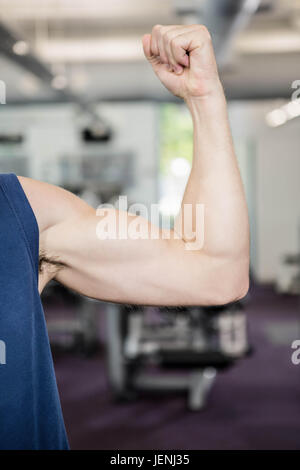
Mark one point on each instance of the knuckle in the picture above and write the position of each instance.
(173, 42)
(156, 28)
(166, 37)
(171, 37)
(204, 31)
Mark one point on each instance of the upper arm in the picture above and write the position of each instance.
(103, 263)
(99, 264)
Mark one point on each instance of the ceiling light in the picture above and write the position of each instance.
(276, 118)
(292, 109)
(169, 206)
(108, 49)
(180, 167)
(20, 48)
(285, 113)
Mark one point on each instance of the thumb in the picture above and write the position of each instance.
(146, 40)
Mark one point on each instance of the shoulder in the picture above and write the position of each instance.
(51, 204)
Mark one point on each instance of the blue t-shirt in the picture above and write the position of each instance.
(30, 411)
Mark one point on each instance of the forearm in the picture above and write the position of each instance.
(101, 264)
(215, 181)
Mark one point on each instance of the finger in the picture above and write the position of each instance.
(182, 61)
(168, 33)
(157, 33)
(154, 40)
(153, 59)
(162, 52)
(200, 48)
(182, 45)
(146, 40)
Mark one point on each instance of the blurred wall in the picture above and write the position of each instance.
(52, 132)
(136, 128)
(270, 164)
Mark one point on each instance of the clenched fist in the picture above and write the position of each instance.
(183, 59)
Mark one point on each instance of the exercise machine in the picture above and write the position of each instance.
(172, 349)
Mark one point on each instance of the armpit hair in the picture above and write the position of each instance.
(51, 262)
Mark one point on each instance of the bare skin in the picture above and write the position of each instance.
(161, 271)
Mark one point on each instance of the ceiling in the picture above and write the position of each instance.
(93, 47)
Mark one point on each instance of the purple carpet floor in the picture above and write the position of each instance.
(254, 405)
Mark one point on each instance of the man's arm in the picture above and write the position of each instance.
(162, 271)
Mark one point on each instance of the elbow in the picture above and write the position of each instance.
(237, 291)
(232, 284)
(244, 289)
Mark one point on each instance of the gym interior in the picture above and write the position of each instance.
(80, 108)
